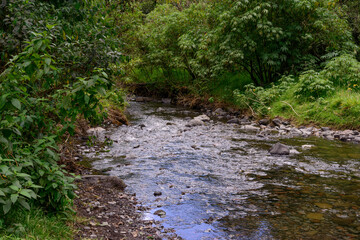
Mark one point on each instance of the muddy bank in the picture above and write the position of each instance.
(105, 211)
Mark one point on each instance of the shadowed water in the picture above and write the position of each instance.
(219, 182)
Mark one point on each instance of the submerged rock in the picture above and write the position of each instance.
(160, 213)
(279, 149)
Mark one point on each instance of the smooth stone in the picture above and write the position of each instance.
(194, 123)
(157, 193)
(307, 146)
(324, 205)
(315, 216)
(250, 127)
(324, 129)
(203, 118)
(160, 213)
(348, 132)
(294, 151)
(279, 149)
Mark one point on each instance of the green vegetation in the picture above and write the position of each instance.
(34, 224)
(57, 62)
(297, 59)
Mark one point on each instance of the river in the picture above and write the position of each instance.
(219, 182)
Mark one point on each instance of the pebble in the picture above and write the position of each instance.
(157, 193)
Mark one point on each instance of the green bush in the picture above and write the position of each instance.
(313, 85)
(343, 71)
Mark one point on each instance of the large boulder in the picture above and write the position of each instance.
(279, 149)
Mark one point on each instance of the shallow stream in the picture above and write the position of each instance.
(220, 182)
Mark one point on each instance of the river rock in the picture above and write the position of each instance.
(166, 100)
(277, 122)
(234, 120)
(324, 129)
(194, 123)
(279, 149)
(220, 112)
(294, 151)
(203, 118)
(250, 127)
(160, 213)
(139, 99)
(264, 121)
(95, 131)
(157, 193)
(307, 146)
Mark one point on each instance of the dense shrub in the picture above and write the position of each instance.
(58, 57)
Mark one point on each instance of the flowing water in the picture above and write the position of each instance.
(219, 182)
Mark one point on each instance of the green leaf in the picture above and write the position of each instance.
(41, 172)
(25, 193)
(13, 187)
(24, 204)
(2, 193)
(16, 103)
(51, 153)
(86, 99)
(7, 207)
(101, 90)
(47, 61)
(14, 197)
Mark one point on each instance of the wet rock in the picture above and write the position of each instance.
(194, 123)
(307, 147)
(220, 112)
(356, 133)
(277, 122)
(95, 131)
(347, 132)
(315, 216)
(286, 123)
(160, 213)
(160, 109)
(234, 120)
(264, 121)
(157, 193)
(203, 118)
(357, 139)
(139, 99)
(166, 100)
(250, 127)
(279, 149)
(324, 129)
(294, 151)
